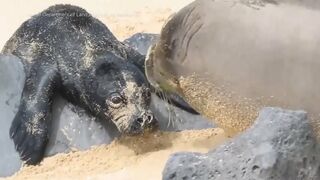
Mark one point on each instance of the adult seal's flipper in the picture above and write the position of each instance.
(177, 101)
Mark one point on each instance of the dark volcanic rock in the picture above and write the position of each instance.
(280, 146)
(12, 80)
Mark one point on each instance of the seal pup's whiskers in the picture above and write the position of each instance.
(172, 116)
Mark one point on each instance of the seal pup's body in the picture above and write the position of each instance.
(65, 50)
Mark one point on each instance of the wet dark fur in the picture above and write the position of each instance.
(65, 50)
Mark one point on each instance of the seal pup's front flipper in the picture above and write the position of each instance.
(29, 129)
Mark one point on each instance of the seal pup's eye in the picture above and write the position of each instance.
(115, 100)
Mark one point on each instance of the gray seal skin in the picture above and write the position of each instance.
(67, 51)
(229, 58)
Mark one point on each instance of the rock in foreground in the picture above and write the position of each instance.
(279, 146)
(11, 79)
(141, 41)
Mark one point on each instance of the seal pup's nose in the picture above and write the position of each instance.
(146, 121)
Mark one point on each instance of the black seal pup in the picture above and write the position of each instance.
(65, 50)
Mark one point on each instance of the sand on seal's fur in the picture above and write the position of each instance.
(228, 110)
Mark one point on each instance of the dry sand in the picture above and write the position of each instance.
(126, 158)
(123, 17)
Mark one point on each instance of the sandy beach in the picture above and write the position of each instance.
(123, 17)
(125, 159)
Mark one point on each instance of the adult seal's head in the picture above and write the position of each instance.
(159, 65)
(228, 59)
(165, 59)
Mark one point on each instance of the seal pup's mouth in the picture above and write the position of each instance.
(134, 125)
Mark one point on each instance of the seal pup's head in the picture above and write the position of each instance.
(122, 94)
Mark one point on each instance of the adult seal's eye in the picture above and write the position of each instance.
(115, 100)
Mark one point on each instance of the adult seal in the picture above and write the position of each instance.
(230, 58)
(67, 51)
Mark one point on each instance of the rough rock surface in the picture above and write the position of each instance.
(141, 41)
(279, 146)
(11, 79)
